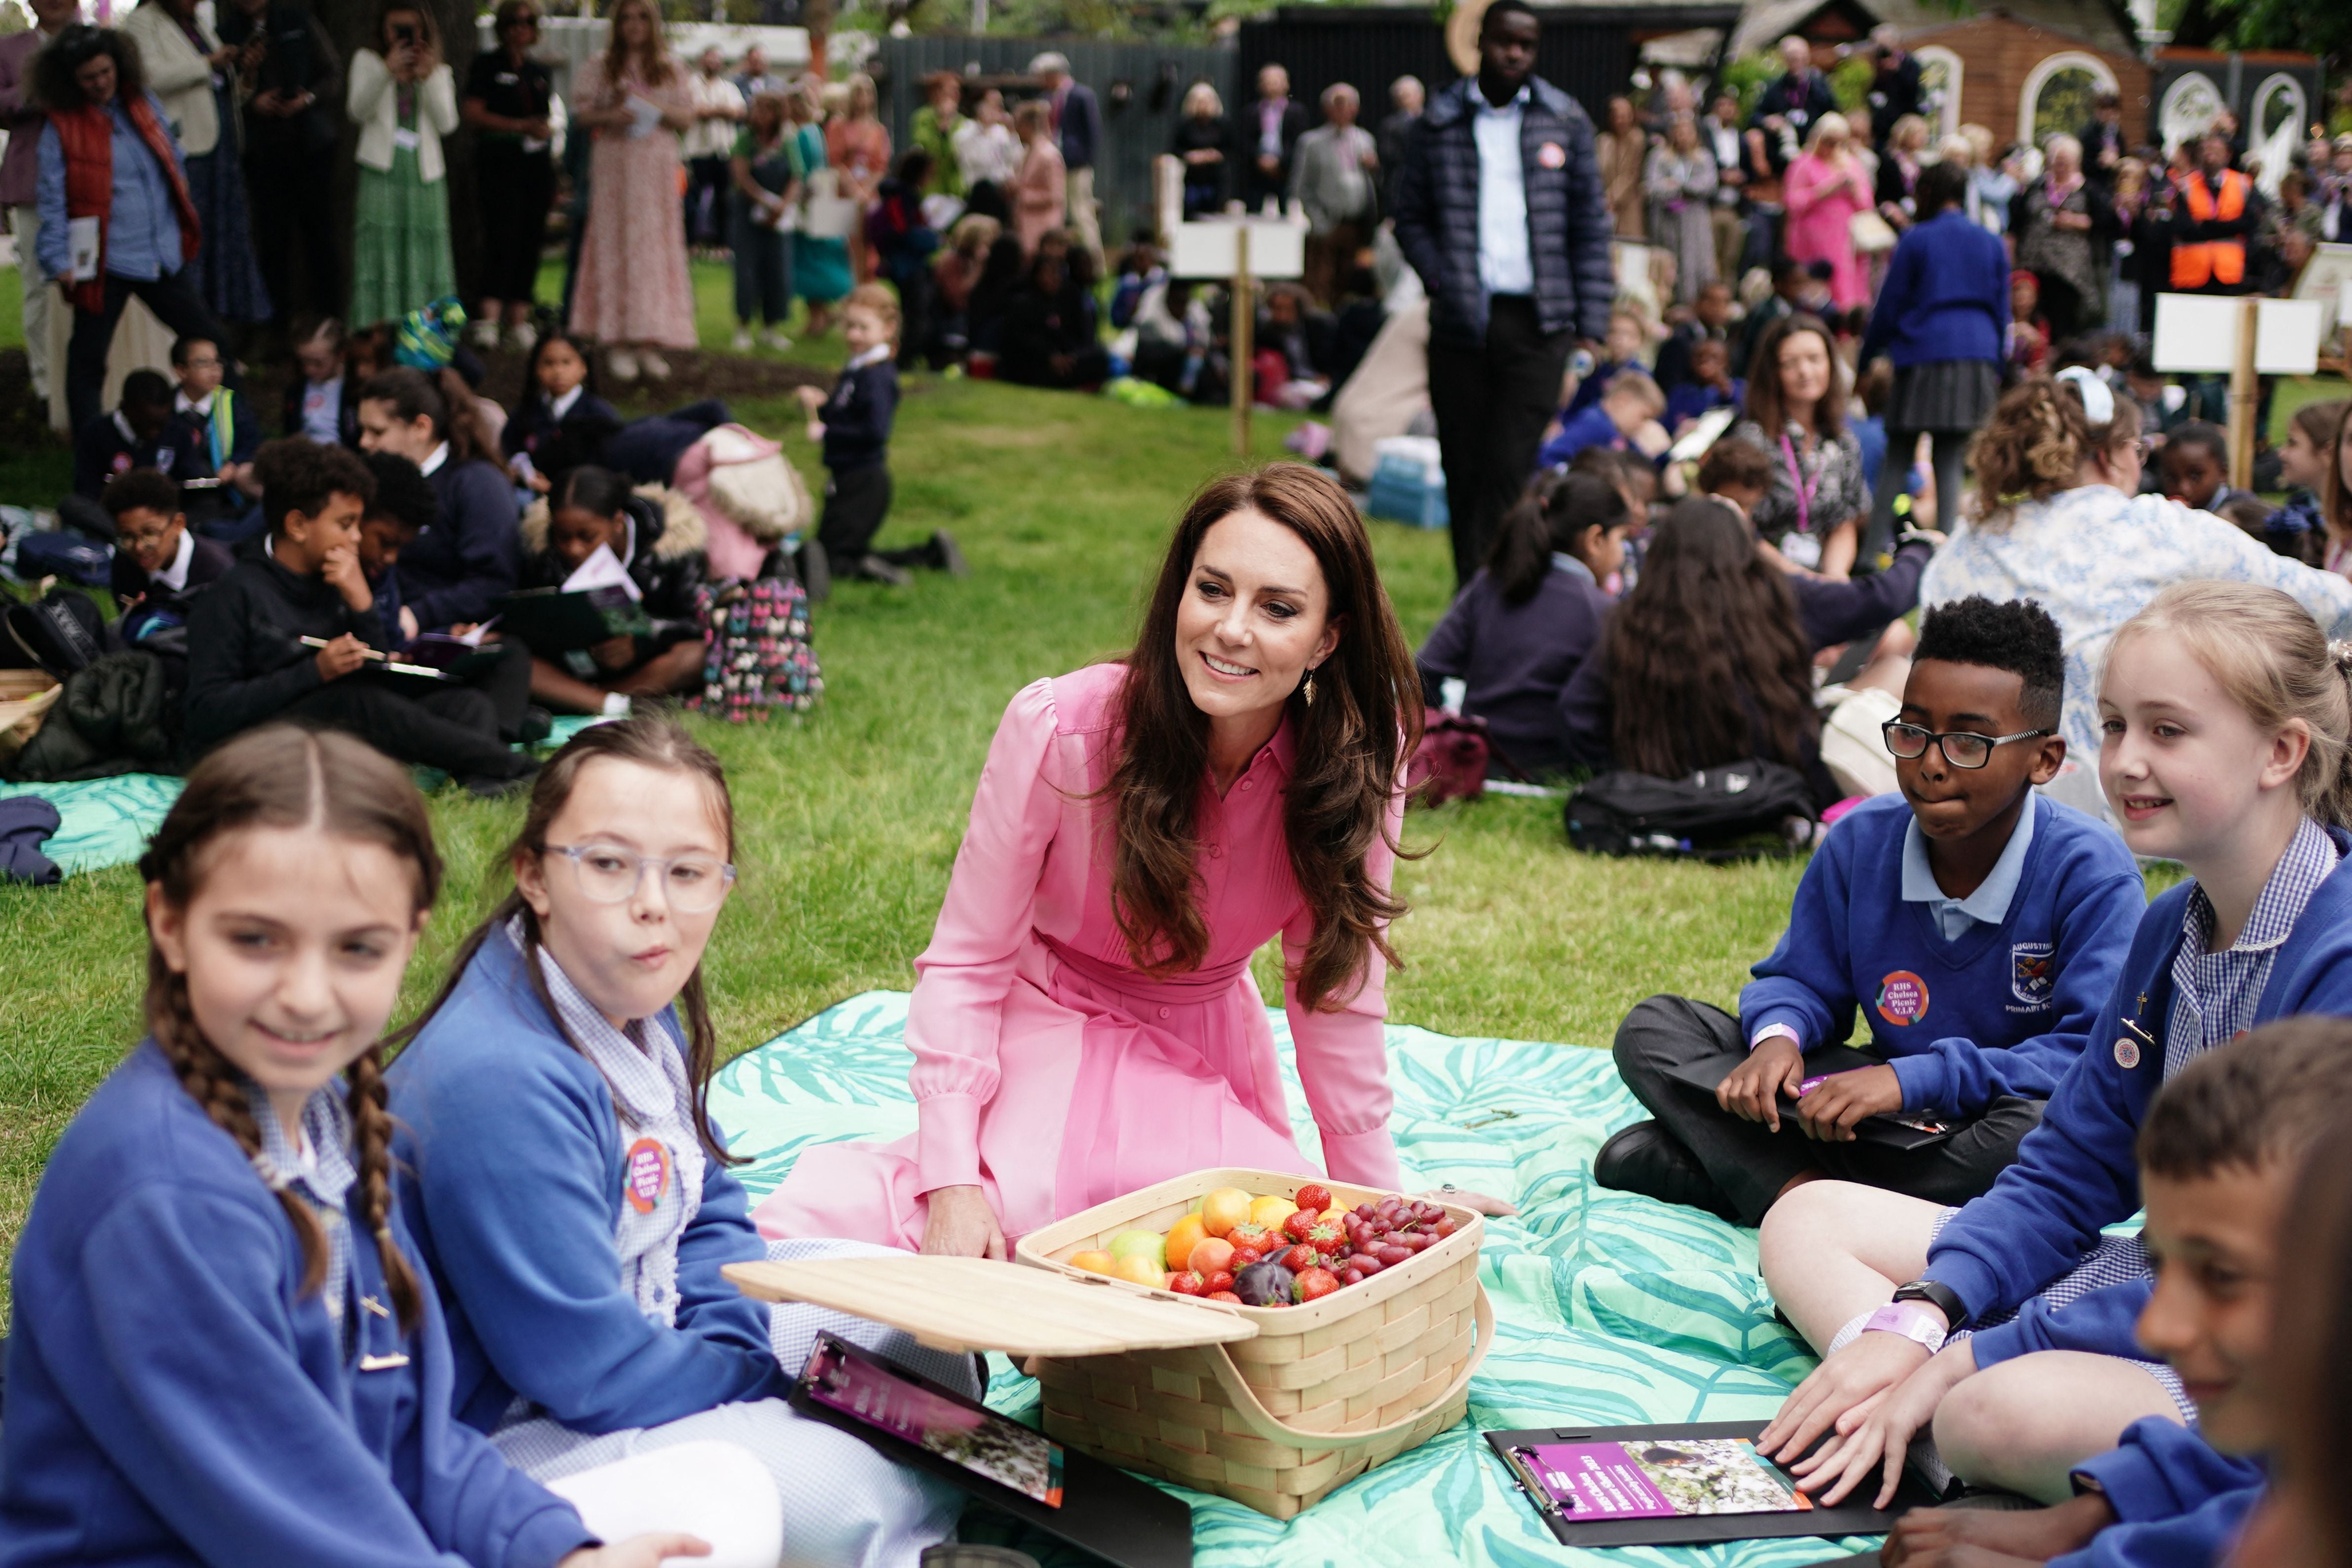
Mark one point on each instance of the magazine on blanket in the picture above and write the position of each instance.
(968, 1436)
(1660, 1478)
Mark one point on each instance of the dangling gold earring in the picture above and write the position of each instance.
(1308, 689)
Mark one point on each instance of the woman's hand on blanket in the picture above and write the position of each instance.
(959, 1224)
(1478, 1202)
(1884, 1439)
(638, 1551)
(1753, 1090)
(1840, 1393)
(1842, 1099)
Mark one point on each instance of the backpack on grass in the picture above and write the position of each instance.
(757, 662)
(1737, 811)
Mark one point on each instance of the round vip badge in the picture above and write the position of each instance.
(645, 1175)
(1552, 155)
(1902, 998)
(2127, 1052)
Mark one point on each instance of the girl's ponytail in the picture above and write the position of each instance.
(2036, 442)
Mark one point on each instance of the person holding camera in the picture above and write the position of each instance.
(404, 100)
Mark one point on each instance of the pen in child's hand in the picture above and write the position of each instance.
(364, 653)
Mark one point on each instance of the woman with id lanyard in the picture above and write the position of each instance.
(404, 100)
(634, 293)
(570, 1194)
(1814, 509)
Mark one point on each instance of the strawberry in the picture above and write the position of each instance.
(1253, 1235)
(1300, 1222)
(1301, 1258)
(1317, 1198)
(1222, 1280)
(1314, 1284)
(1326, 1239)
(1187, 1283)
(1223, 1296)
(1243, 1257)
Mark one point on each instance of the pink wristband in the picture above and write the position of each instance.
(1909, 1319)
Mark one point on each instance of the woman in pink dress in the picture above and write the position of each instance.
(1235, 778)
(1826, 185)
(858, 144)
(1041, 185)
(634, 295)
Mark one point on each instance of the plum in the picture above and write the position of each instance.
(1264, 1285)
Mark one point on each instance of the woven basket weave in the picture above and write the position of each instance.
(1323, 1393)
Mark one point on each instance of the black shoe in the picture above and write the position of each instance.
(815, 572)
(538, 724)
(874, 569)
(1647, 1159)
(945, 555)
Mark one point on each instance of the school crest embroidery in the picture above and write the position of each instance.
(2033, 973)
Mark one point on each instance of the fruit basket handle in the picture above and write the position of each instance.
(1274, 1429)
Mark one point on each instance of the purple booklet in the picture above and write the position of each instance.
(1666, 1477)
(841, 1377)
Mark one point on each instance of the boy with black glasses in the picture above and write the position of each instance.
(1978, 927)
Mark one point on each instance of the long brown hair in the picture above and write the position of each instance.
(653, 739)
(1353, 740)
(1708, 627)
(1767, 405)
(2335, 495)
(2036, 442)
(2310, 1358)
(659, 67)
(282, 776)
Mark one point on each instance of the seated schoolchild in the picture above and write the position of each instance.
(140, 432)
(1621, 351)
(2218, 1157)
(1515, 634)
(561, 423)
(1048, 330)
(1703, 661)
(2313, 448)
(570, 1192)
(1630, 402)
(1711, 321)
(323, 402)
(220, 434)
(473, 551)
(2195, 465)
(286, 633)
(658, 539)
(1709, 386)
(159, 562)
(226, 1348)
(1739, 471)
(1978, 926)
(2225, 719)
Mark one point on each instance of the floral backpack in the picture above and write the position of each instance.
(757, 661)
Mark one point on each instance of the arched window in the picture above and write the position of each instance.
(1941, 74)
(2058, 94)
(2275, 126)
(2189, 105)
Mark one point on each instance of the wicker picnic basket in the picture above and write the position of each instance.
(1319, 1394)
(1271, 1406)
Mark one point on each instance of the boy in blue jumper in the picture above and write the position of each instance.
(1632, 401)
(1977, 925)
(2218, 1158)
(854, 426)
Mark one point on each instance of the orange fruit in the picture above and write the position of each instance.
(1210, 1254)
(1223, 1209)
(1182, 1236)
(1092, 1262)
(1138, 1270)
(1271, 1212)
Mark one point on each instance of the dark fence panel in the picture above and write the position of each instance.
(1141, 88)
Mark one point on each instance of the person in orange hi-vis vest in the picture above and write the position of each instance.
(2213, 214)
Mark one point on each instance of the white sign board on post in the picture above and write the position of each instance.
(1238, 249)
(2196, 334)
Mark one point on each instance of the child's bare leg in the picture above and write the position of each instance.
(2025, 1424)
(678, 667)
(1832, 1250)
(553, 686)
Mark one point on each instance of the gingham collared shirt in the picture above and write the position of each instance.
(325, 1183)
(2215, 994)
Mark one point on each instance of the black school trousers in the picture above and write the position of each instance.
(1751, 1163)
(455, 728)
(1492, 404)
(856, 502)
(175, 304)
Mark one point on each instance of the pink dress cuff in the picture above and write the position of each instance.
(1367, 1159)
(948, 1150)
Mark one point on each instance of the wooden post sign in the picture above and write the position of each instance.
(2245, 336)
(1245, 250)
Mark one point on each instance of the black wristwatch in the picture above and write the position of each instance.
(1943, 1298)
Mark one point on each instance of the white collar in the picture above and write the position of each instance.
(1519, 100)
(874, 355)
(432, 464)
(176, 575)
(564, 405)
(129, 436)
(1561, 560)
(180, 403)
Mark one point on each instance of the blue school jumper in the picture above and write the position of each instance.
(2002, 1010)
(2075, 1174)
(174, 1398)
(523, 1244)
(2179, 1503)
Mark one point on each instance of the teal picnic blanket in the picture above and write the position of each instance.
(1609, 1309)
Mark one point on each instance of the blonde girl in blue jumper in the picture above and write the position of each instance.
(570, 1190)
(224, 1350)
(2225, 718)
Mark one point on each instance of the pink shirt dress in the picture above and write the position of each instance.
(1052, 1073)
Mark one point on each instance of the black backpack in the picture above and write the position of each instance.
(1733, 811)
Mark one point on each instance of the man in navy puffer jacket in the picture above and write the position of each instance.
(1498, 207)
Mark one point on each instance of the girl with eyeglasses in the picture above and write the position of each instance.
(569, 1190)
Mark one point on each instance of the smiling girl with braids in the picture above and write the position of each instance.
(224, 1350)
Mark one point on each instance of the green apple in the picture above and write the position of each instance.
(1148, 1243)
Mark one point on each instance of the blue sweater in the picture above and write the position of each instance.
(1514, 659)
(1588, 425)
(511, 1175)
(2003, 1011)
(2105, 1323)
(472, 553)
(1945, 296)
(2178, 1502)
(2075, 1174)
(858, 415)
(174, 1398)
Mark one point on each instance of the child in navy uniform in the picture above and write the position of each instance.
(657, 539)
(159, 564)
(1978, 926)
(140, 433)
(561, 423)
(220, 434)
(854, 424)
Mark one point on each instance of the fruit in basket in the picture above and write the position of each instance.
(1243, 1257)
(1298, 1222)
(1145, 1244)
(1223, 1209)
(1093, 1262)
(1187, 1283)
(1312, 1197)
(1299, 1259)
(1264, 1285)
(1314, 1284)
(1222, 1280)
(1209, 1255)
(1138, 1270)
(1251, 1234)
(1270, 1212)
(1182, 1236)
(1325, 1238)
(1223, 1296)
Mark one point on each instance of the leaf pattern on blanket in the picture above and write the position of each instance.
(1609, 1309)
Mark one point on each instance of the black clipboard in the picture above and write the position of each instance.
(1104, 1510)
(1708, 1072)
(1849, 1518)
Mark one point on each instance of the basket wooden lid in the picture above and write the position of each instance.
(972, 1304)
